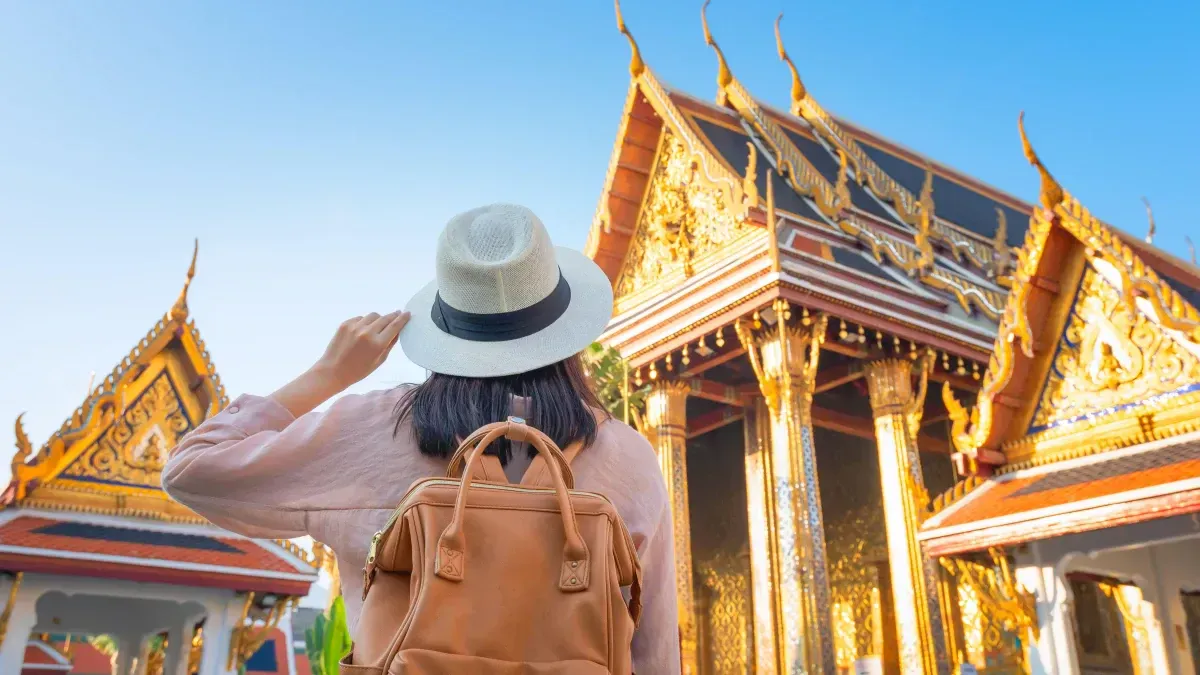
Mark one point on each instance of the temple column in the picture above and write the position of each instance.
(18, 616)
(666, 426)
(221, 619)
(285, 627)
(897, 411)
(760, 513)
(179, 646)
(127, 651)
(791, 555)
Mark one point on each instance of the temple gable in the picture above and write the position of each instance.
(1110, 356)
(107, 458)
(682, 224)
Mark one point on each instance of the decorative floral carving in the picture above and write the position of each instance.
(133, 449)
(682, 221)
(1110, 354)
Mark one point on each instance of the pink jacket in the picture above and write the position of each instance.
(337, 475)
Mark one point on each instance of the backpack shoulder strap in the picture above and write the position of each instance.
(537, 475)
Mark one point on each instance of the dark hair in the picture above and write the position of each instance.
(445, 408)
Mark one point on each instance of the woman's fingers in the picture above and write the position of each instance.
(391, 331)
(381, 323)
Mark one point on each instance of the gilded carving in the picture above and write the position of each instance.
(10, 604)
(854, 549)
(132, 451)
(1110, 354)
(727, 586)
(253, 627)
(24, 447)
(999, 617)
(1137, 281)
(681, 222)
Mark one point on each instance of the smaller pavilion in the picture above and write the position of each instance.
(1081, 501)
(90, 544)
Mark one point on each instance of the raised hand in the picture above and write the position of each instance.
(359, 346)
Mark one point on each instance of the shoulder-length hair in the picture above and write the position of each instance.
(445, 408)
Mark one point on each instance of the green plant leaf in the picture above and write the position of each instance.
(314, 644)
(337, 637)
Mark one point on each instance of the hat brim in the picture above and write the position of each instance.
(586, 317)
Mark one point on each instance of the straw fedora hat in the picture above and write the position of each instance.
(505, 300)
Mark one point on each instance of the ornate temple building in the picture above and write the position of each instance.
(90, 545)
(829, 329)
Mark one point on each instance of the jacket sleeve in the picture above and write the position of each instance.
(656, 641)
(254, 469)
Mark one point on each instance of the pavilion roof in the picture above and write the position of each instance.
(188, 556)
(1158, 479)
(106, 461)
(107, 457)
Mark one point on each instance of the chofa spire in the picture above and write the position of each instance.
(798, 90)
(1052, 192)
(724, 75)
(636, 65)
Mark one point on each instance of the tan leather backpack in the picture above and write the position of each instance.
(474, 575)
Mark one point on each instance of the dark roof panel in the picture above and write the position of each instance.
(828, 165)
(952, 201)
(858, 261)
(732, 146)
(1189, 293)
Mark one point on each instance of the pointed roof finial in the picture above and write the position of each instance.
(724, 76)
(180, 310)
(1149, 217)
(1052, 192)
(24, 447)
(636, 65)
(1191, 248)
(798, 90)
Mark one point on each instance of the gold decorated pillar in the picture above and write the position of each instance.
(760, 512)
(666, 427)
(897, 411)
(793, 571)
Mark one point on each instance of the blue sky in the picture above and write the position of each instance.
(316, 148)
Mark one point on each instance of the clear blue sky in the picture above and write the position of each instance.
(317, 148)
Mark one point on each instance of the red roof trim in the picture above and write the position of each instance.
(107, 570)
(1111, 514)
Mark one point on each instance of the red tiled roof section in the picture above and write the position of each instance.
(23, 531)
(1103, 478)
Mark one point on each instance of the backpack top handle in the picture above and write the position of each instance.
(449, 563)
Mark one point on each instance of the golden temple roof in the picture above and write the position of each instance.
(108, 455)
(1096, 350)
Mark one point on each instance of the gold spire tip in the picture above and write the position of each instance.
(636, 65)
(798, 90)
(724, 75)
(1191, 248)
(1052, 192)
(180, 309)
